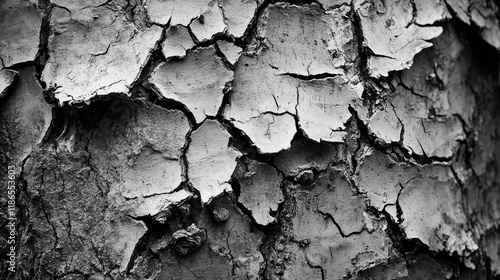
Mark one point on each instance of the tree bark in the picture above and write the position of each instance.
(240, 139)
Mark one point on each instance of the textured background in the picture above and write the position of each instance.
(251, 139)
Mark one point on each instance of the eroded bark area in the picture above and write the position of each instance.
(251, 139)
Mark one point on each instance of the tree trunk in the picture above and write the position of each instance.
(240, 139)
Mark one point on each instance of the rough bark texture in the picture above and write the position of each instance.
(250, 139)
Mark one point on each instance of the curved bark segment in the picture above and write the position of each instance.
(7, 78)
(20, 24)
(392, 36)
(260, 190)
(211, 160)
(85, 44)
(323, 107)
(197, 81)
(177, 42)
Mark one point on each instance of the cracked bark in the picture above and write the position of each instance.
(250, 139)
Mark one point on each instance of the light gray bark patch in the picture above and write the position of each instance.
(94, 51)
(238, 14)
(230, 51)
(177, 42)
(198, 81)
(211, 161)
(323, 107)
(269, 132)
(440, 219)
(126, 233)
(311, 41)
(262, 103)
(208, 24)
(423, 135)
(7, 77)
(176, 12)
(260, 190)
(390, 34)
(20, 25)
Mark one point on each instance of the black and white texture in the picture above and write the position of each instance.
(251, 139)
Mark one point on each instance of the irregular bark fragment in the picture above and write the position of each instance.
(423, 135)
(156, 206)
(230, 51)
(270, 133)
(186, 241)
(209, 23)
(94, 52)
(304, 155)
(176, 12)
(260, 190)
(177, 42)
(238, 14)
(197, 81)
(127, 233)
(210, 160)
(24, 115)
(20, 24)
(263, 110)
(441, 224)
(7, 77)
(389, 33)
(311, 42)
(323, 107)
(385, 125)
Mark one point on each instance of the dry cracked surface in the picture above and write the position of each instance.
(250, 139)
